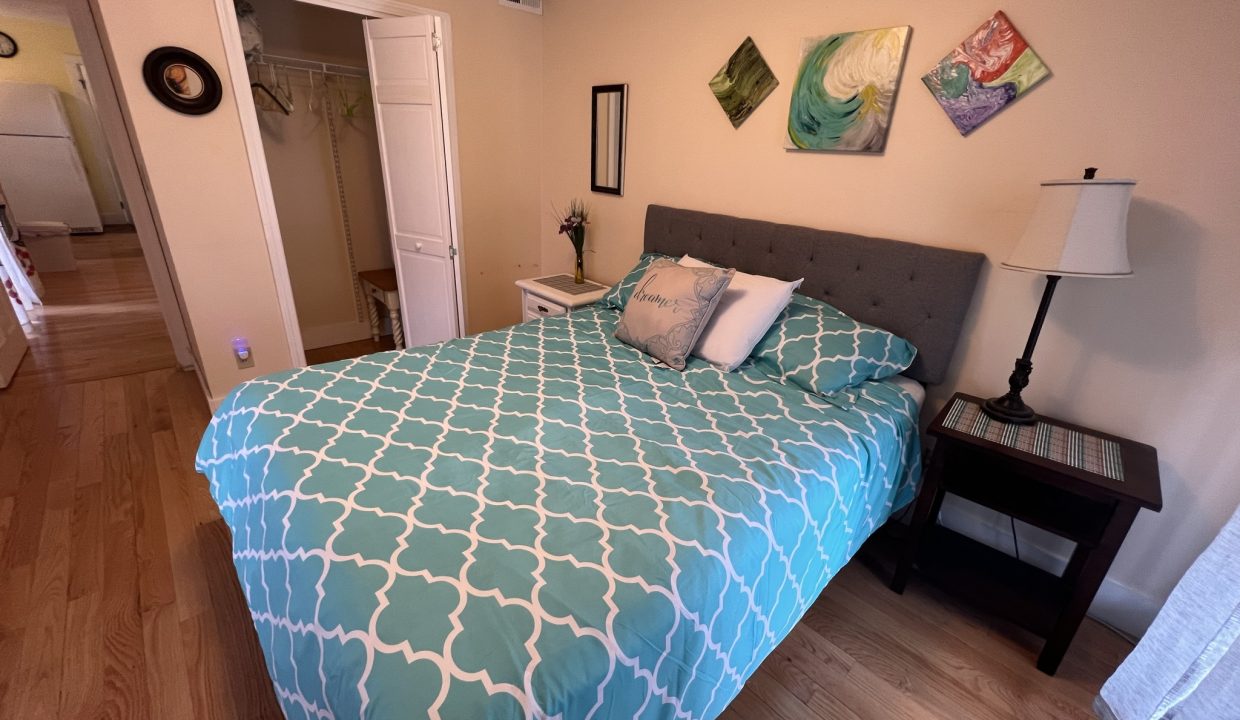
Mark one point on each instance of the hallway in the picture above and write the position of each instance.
(99, 321)
(117, 592)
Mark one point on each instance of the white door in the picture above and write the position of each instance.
(12, 340)
(406, 76)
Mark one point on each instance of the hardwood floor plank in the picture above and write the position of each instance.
(6, 518)
(14, 614)
(124, 661)
(44, 637)
(189, 576)
(90, 434)
(83, 658)
(86, 559)
(167, 671)
(30, 504)
(102, 320)
(851, 684)
(115, 409)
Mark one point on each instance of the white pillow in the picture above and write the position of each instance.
(748, 308)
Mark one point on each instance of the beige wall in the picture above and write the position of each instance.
(1140, 89)
(42, 48)
(200, 177)
(200, 184)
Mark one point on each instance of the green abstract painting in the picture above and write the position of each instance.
(845, 90)
(743, 83)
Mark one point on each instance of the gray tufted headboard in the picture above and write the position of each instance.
(918, 292)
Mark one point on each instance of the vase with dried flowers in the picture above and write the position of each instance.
(573, 223)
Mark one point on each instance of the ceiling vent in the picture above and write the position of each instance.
(534, 6)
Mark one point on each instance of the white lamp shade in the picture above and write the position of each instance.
(1079, 228)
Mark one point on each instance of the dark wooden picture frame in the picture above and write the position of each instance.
(621, 127)
(182, 80)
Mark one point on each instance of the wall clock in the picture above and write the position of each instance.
(8, 46)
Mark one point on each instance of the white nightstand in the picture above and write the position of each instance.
(556, 295)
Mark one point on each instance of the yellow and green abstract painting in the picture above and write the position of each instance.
(743, 83)
(845, 90)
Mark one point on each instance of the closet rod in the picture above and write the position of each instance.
(301, 64)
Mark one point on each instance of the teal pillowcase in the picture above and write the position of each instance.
(620, 293)
(822, 350)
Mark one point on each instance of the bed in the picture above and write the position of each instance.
(537, 522)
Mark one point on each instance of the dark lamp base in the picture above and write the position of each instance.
(1010, 410)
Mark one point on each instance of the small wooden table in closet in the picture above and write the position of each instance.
(379, 287)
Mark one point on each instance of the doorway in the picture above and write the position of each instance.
(83, 295)
(352, 106)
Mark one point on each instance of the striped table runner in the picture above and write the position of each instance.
(1058, 444)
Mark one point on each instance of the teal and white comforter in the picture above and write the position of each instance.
(537, 522)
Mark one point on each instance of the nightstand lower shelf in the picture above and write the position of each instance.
(991, 580)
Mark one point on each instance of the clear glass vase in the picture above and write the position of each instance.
(579, 245)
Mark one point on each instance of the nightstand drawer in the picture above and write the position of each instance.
(536, 307)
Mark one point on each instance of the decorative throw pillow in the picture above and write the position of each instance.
(823, 350)
(744, 314)
(669, 307)
(619, 294)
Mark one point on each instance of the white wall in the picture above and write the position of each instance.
(1138, 90)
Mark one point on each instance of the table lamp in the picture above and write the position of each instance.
(1078, 229)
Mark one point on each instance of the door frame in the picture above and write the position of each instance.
(126, 160)
(79, 79)
(252, 134)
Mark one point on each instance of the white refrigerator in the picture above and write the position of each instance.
(42, 173)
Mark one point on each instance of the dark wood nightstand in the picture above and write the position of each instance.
(1077, 483)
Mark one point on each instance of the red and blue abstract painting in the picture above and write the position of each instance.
(985, 74)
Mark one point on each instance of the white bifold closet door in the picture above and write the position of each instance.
(405, 75)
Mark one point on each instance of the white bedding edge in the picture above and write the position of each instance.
(914, 388)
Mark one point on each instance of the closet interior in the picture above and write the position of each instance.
(311, 88)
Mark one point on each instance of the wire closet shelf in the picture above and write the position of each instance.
(285, 62)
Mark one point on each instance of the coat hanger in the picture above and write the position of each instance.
(263, 92)
(267, 93)
(284, 87)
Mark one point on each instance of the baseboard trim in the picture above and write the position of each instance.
(1116, 605)
(337, 334)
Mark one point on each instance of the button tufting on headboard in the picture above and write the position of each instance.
(917, 282)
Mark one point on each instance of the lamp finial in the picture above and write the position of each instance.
(1090, 172)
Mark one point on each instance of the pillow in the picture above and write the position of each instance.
(669, 307)
(745, 312)
(619, 294)
(823, 350)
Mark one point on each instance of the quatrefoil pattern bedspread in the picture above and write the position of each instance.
(538, 522)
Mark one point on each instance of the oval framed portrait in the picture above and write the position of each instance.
(182, 80)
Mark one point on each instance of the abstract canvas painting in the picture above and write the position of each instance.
(985, 74)
(743, 83)
(845, 90)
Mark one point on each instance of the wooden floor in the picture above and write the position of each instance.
(344, 351)
(99, 321)
(118, 598)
